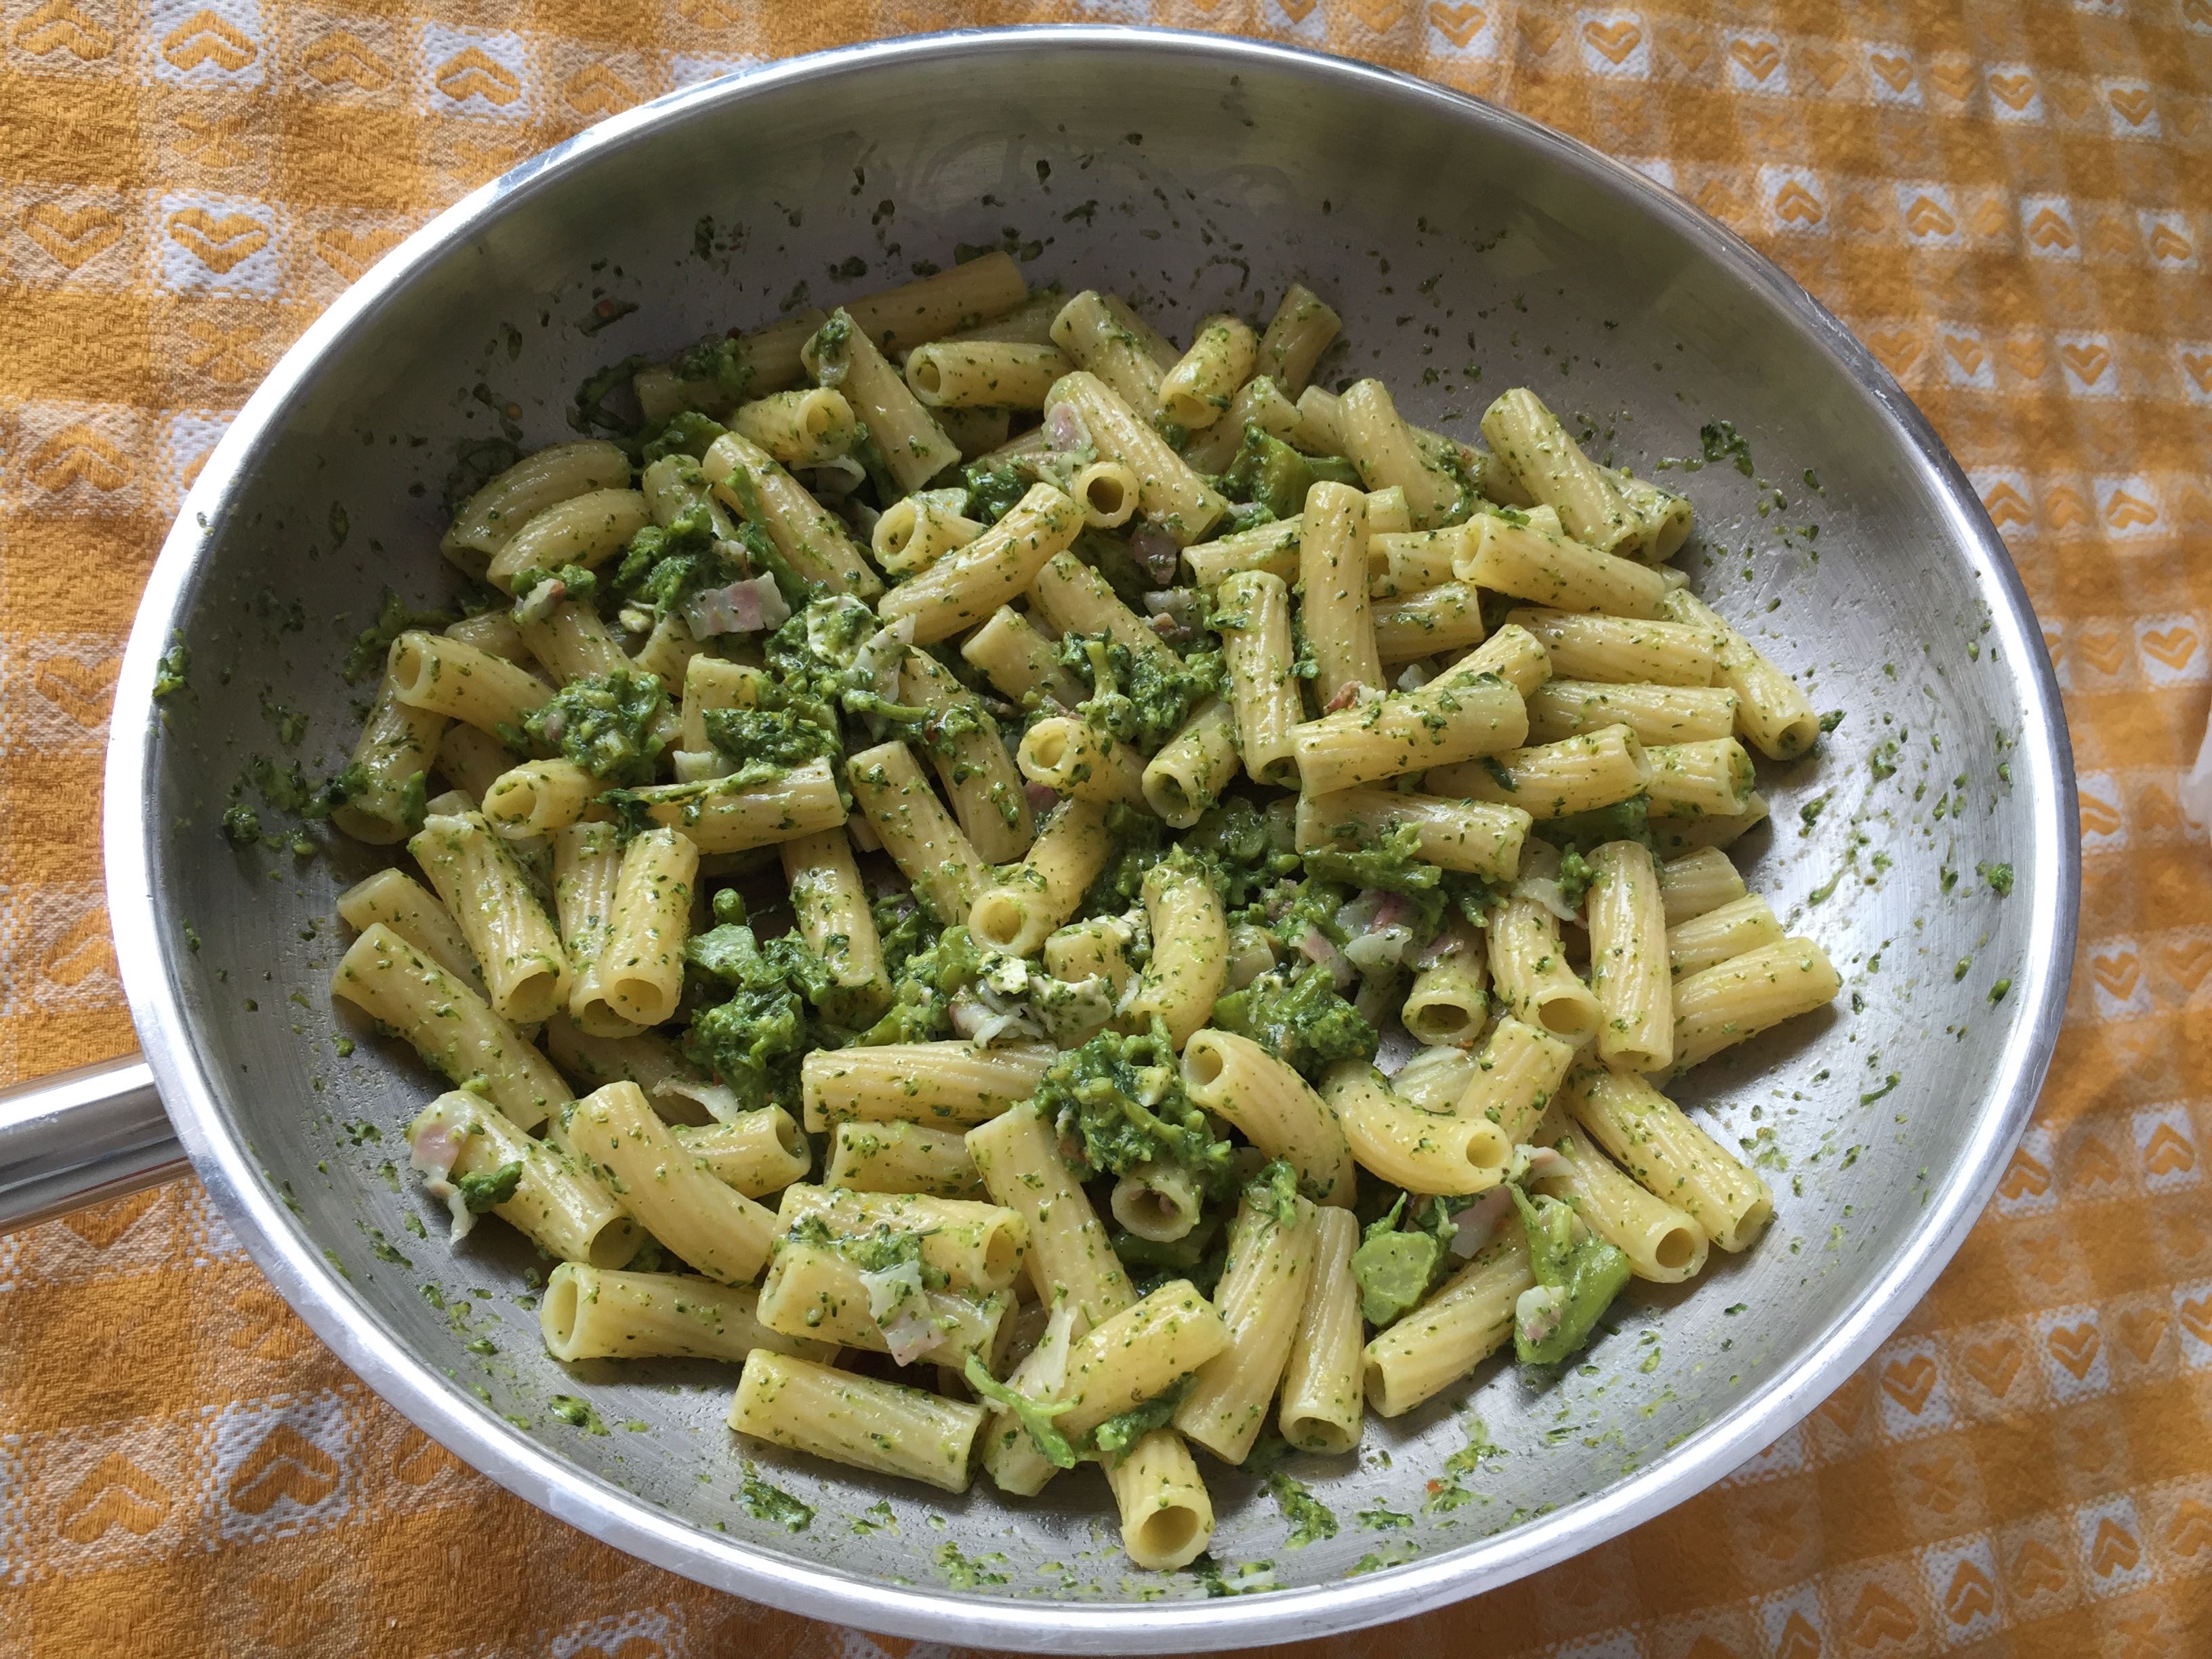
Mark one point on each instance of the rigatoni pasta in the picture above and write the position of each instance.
(1003, 629)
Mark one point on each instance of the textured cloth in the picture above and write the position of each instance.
(2011, 203)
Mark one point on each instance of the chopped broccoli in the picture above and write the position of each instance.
(1274, 1189)
(1394, 1267)
(1035, 1416)
(483, 1192)
(606, 723)
(993, 490)
(723, 364)
(687, 432)
(1576, 1279)
(1118, 1102)
(394, 616)
(1114, 1437)
(1269, 471)
(1302, 1022)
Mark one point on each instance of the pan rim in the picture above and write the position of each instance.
(447, 1415)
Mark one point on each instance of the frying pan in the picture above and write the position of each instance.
(1190, 174)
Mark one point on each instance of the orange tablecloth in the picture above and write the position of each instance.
(2012, 202)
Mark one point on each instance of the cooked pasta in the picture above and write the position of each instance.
(1136, 729)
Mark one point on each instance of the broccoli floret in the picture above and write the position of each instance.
(993, 490)
(687, 432)
(782, 738)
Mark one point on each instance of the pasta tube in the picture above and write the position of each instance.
(549, 1200)
(918, 833)
(1729, 930)
(1663, 1244)
(1254, 615)
(1020, 662)
(455, 1030)
(970, 582)
(1322, 1405)
(1302, 328)
(393, 756)
(1334, 578)
(1528, 966)
(1621, 650)
(976, 1246)
(1657, 714)
(1071, 1263)
(1553, 780)
(1075, 758)
(1772, 714)
(1515, 1075)
(1168, 494)
(1520, 557)
(1234, 1078)
(1547, 462)
(1697, 881)
(1194, 767)
(903, 1157)
(1270, 1267)
(936, 1084)
(595, 1312)
(497, 910)
(910, 445)
(1167, 1518)
(723, 814)
(830, 907)
(813, 541)
(980, 778)
(812, 426)
(885, 1428)
(1422, 1151)
(1629, 974)
(1465, 1322)
(1478, 837)
(1195, 392)
(1190, 953)
(1455, 717)
(669, 1191)
(984, 373)
(398, 901)
(1712, 779)
(1671, 1158)
(1019, 912)
(1729, 1004)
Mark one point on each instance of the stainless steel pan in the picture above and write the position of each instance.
(1189, 173)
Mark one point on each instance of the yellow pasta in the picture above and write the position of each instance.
(1272, 1106)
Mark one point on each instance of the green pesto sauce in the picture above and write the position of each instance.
(773, 1504)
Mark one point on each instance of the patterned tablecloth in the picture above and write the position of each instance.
(2010, 200)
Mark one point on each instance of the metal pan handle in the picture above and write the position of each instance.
(82, 1136)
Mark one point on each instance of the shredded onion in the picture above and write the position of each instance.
(1065, 427)
(1154, 548)
(1478, 1222)
(432, 1154)
(1317, 946)
(751, 606)
(1452, 941)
